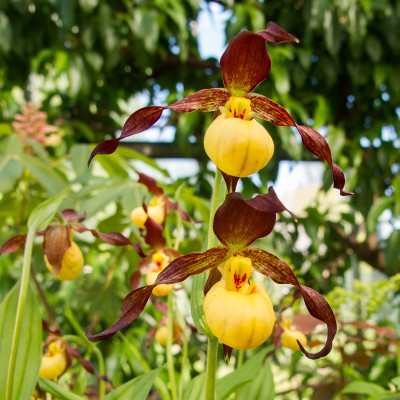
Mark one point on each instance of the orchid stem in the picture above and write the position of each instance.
(215, 202)
(212, 353)
(23, 291)
(170, 359)
(212, 350)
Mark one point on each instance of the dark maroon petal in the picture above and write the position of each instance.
(133, 305)
(269, 202)
(214, 277)
(191, 264)
(177, 271)
(312, 140)
(239, 222)
(281, 273)
(183, 214)
(146, 117)
(150, 183)
(245, 63)
(134, 280)
(154, 234)
(230, 181)
(74, 353)
(13, 244)
(317, 145)
(56, 242)
(266, 109)
(275, 34)
(104, 147)
(46, 328)
(203, 100)
(71, 215)
(227, 352)
(114, 238)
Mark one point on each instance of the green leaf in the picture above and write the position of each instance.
(243, 375)
(80, 153)
(10, 171)
(196, 388)
(261, 387)
(57, 390)
(360, 387)
(130, 153)
(44, 213)
(29, 346)
(386, 396)
(396, 381)
(135, 389)
(47, 176)
(375, 211)
(196, 303)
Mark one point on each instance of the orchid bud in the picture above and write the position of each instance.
(54, 362)
(237, 143)
(239, 314)
(290, 337)
(162, 332)
(139, 217)
(71, 264)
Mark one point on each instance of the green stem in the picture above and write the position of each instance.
(170, 359)
(102, 371)
(23, 291)
(158, 383)
(215, 202)
(212, 352)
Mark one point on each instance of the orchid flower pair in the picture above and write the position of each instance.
(244, 65)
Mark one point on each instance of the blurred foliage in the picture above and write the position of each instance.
(91, 63)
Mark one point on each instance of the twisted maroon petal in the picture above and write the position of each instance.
(312, 140)
(13, 244)
(275, 34)
(177, 271)
(150, 183)
(281, 273)
(114, 238)
(144, 118)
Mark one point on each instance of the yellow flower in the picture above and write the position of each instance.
(237, 143)
(54, 362)
(239, 314)
(71, 264)
(290, 336)
(160, 261)
(156, 211)
(162, 332)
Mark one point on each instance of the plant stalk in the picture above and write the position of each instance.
(170, 359)
(212, 353)
(23, 291)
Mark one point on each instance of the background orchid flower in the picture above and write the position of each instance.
(58, 238)
(244, 64)
(237, 224)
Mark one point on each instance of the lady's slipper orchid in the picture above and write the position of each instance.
(244, 64)
(290, 338)
(54, 362)
(159, 261)
(239, 314)
(60, 250)
(237, 224)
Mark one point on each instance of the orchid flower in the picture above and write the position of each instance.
(237, 224)
(244, 65)
(58, 240)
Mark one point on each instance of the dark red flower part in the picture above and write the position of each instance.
(150, 183)
(13, 244)
(258, 213)
(56, 242)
